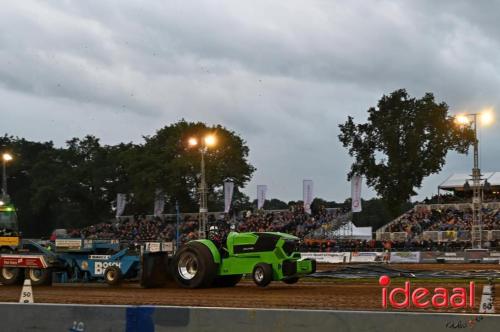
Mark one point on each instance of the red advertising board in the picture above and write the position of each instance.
(35, 261)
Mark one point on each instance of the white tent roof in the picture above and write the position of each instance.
(457, 180)
(364, 233)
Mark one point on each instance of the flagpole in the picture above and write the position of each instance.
(177, 225)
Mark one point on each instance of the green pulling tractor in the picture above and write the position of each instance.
(265, 256)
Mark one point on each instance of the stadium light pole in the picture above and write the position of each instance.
(206, 142)
(468, 119)
(6, 157)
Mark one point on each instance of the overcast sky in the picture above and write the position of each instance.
(282, 74)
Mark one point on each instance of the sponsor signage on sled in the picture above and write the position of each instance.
(421, 297)
(22, 261)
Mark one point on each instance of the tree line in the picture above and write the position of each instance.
(76, 185)
(404, 140)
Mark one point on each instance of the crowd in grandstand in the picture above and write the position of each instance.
(374, 245)
(450, 198)
(141, 228)
(295, 221)
(415, 222)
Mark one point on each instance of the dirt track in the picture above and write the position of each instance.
(323, 294)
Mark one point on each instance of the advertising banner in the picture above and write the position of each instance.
(494, 257)
(356, 193)
(68, 244)
(228, 195)
(307, 195)
(328, 257)
(153, 246)
(428, 256)
(121, 202)
(261, 195)
(366, 257)
(451, 257)
(476, 255)
(34, 261)
(405, 257)
(167, 246)
(159, 203)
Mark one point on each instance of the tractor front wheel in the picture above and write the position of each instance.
(193, 266)
(262, 274)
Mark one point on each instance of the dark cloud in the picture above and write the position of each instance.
(281, 74)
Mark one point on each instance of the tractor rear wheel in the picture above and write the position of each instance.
(262, 274)
(11, 276)
(290, 281)
(193, 266)
(227, 281)
(39, 276)
(113, 275)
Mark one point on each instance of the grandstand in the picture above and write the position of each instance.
(340, 228)
(136, 229)
(447, 218)
(443, 223)
(457, 187)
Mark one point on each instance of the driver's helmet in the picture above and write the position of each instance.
(213, 233)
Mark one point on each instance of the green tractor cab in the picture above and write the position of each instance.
(266, 256)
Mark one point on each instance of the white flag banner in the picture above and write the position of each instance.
(159, 205)
(228, 195)
(356, 193)
(261, 195)
(121, 202)
(307, 195)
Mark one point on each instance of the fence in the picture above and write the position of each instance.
(438, 236)
(467, 256)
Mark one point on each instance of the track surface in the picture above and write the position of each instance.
(323, 294)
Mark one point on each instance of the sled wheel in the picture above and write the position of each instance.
(113, 275)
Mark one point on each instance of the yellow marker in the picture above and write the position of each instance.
(9, 241)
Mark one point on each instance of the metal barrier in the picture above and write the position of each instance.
(55, 317)
(393, 236)
(439, 236)
(397, 256)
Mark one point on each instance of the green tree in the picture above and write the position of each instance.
(319, 204)
(404, 140)
(20, 180)
(76, 185)
(166, 162)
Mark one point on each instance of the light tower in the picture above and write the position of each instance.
(486, 118)
(207, 141)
